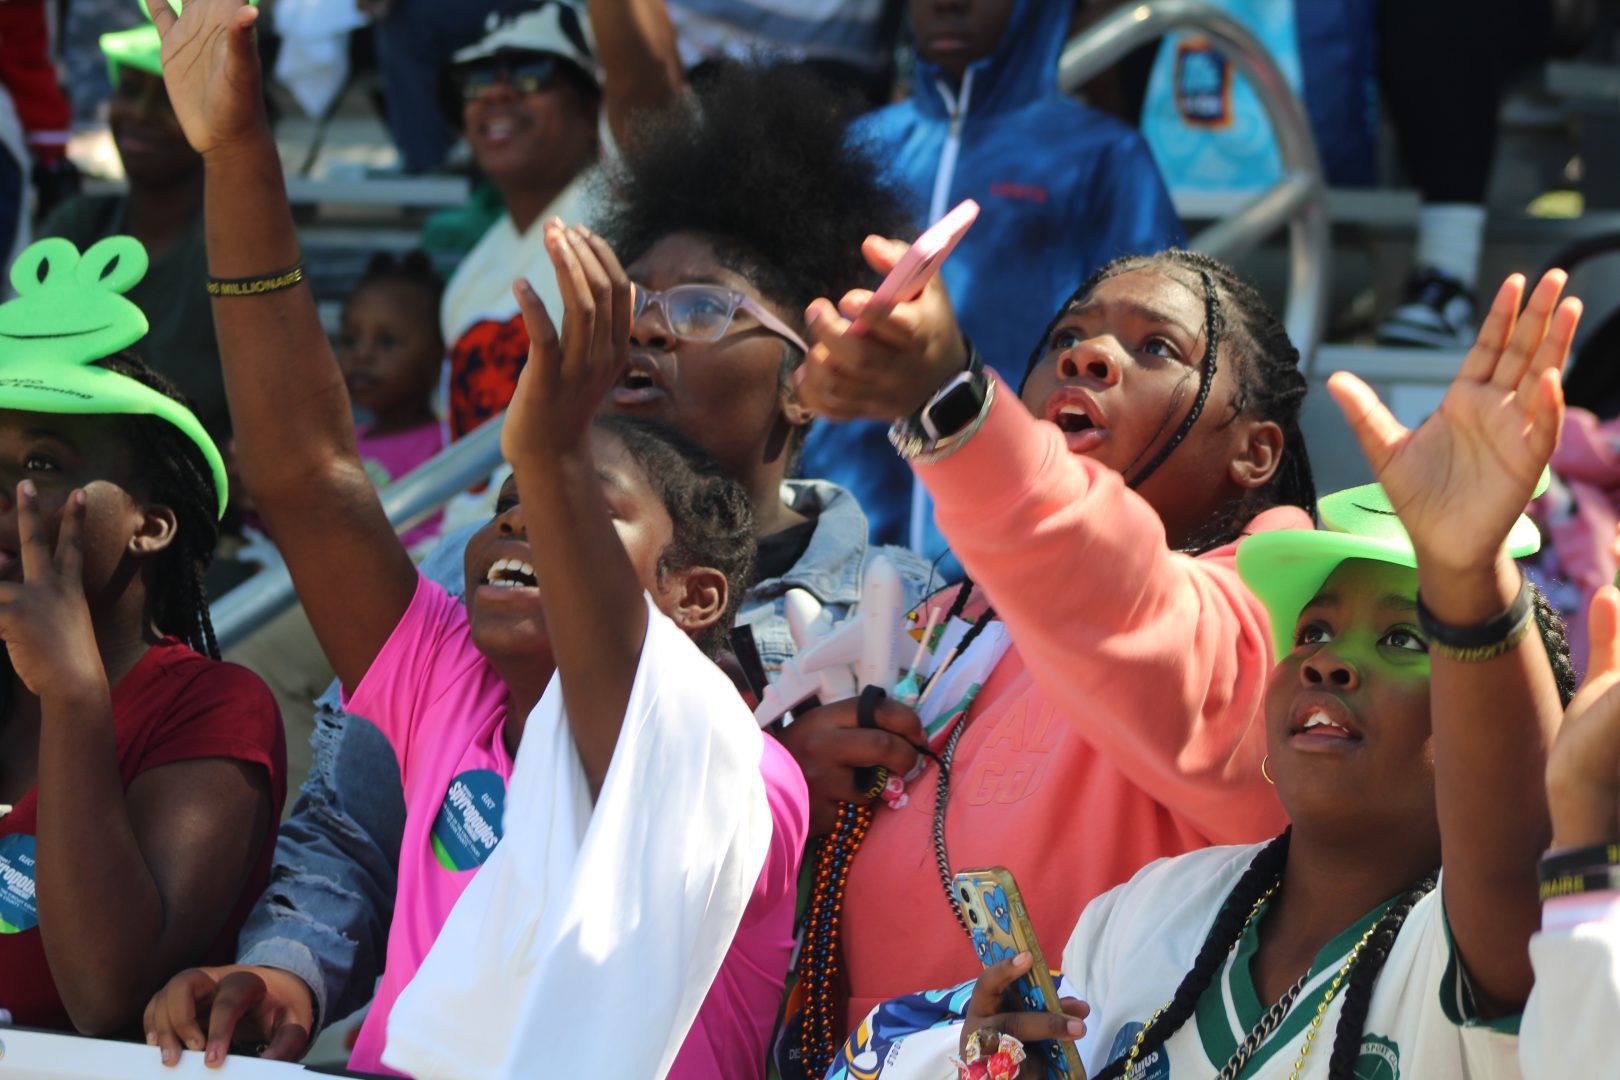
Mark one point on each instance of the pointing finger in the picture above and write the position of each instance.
(36, 548)
(70, 540)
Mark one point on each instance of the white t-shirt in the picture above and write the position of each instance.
(483, 329)
(1572, 1020)
(486, 344)
(1133, 945)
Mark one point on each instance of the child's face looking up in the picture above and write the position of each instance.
(61, 453)
(504, 605)
(390, 351)
(1347, 711)
(954, 33)
(1118, 376)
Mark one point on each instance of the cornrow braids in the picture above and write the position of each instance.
(712, 517)
(1270, 384)
(1358, 990)
(1555, 640)
(1263, 873)
(176, 475)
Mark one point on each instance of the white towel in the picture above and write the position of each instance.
(598, 931)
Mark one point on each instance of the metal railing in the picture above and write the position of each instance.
(1298, 199)
(408, 500)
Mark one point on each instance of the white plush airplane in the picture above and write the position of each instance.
(836, 662)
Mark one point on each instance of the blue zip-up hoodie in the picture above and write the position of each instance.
(1062, 190)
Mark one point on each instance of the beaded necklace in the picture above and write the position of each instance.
(821, 962)
(820, 966)
(1274, 1016)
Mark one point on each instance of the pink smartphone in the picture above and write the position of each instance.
(920, 262)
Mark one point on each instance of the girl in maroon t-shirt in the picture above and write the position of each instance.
(140, 782)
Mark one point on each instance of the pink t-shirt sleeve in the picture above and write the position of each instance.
(789, 800)
(429, 653)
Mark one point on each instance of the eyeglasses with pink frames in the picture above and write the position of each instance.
(705, 312)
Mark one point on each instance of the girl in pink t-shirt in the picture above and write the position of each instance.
(633, 528)
(390, 349)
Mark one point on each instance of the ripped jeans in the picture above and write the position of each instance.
(325, 914)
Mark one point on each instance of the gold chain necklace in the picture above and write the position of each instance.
(1241, 1056)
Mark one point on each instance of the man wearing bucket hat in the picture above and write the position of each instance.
(163, 210)
(140, 779)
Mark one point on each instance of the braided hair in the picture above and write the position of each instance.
(1264, 872)
(1270, 384)
(1359, 988)
(175, 474)
(712, 519)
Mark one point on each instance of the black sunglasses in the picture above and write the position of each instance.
(526, 75)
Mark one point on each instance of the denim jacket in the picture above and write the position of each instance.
(325, 914)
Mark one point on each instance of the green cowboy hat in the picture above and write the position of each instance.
(1288, 567)
(69, 313)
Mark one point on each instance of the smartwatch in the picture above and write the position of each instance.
(949, 412)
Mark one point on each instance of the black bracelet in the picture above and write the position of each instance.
(1577, 882)
(1487, 640)
(257, 286)
(1574, 860)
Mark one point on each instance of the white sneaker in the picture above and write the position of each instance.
(1438, 314)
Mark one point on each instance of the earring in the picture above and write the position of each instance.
(1265, 772)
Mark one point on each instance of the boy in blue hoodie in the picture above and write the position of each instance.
(1063, 189)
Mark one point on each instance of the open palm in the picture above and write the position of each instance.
(211, 70)
(1462, 478)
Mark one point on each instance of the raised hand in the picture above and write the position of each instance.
(893, 368)
(45, 620)
(1583, 770)
(211, 70)
(1462, 478)
(565, 379)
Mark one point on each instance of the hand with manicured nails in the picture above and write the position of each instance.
(893, 368)
(211, 71)
(45, 619)
(829, 744)
(244, 1004)
(1583, 770)
(565, 379)
(1461, 479)
(986, 1010)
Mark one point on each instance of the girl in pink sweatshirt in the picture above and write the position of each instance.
(1115, 719)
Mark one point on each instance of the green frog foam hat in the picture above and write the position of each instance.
(69, 312)
(1288, 567)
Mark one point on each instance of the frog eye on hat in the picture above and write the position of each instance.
(69, 313)
(1285, 569)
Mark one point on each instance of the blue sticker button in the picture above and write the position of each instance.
(18, 910)
(469, 823)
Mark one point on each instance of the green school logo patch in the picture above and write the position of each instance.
(1380, 1059)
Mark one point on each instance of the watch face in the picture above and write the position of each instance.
(956, 407)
